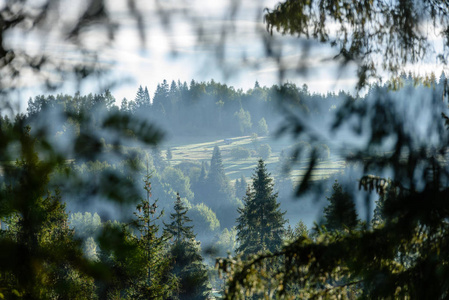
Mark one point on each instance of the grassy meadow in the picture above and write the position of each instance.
(200, 149)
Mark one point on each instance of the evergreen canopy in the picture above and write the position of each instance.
(187, 262)
(260, 226)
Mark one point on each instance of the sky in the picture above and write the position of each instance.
(178, 55)
(174, 49)
(244, 61)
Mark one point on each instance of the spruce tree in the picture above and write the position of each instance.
(260, 226)
(178, 229)
(124, 105)
(153, 282)
(218, 193)
(147, 97)
(140, 97)
(160, 99)
(341, 212)
(216, 174)
(187, 262)
(40, 258)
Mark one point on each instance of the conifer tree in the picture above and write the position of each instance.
(154, 282)
(218, 193)
(178, 229)
(185, 251)
(341, 212)
(160, 98)
(140, 97)
(124, 105)
(40, 258)
(216, 172)
(260, 226)
(147, 97)
(390, 195)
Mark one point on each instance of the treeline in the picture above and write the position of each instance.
(214, 109)
(201, 108)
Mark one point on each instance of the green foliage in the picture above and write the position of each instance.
(292, 234)
(192, 169)
(388, 193)
(87, 227)
(178, 182)
(142, 99)
(90, 249)
(204, 221)
(216, 191)
(191, 271)
(403, 253)
(244, 120)
(178, 229)
(262, 127)
(86, 224)
(40, 257)
(341, 212)
(238, 153)
(153, 280)
(187, 263)
(260, 226)
(226, 242)
(369, 23)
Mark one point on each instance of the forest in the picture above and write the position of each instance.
(201, 190)
(173, 218)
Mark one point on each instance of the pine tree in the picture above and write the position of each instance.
(153, 282)
(160, 99)
(388, 195)
(147, 97)
(140, 97)
(341, 212)
(216, 172)
(178, 229)
(187, 263)
(218, 193)
(124, 105)
(41, 258)
(260, 226)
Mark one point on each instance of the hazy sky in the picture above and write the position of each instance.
(174, 49)
(244, 60)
